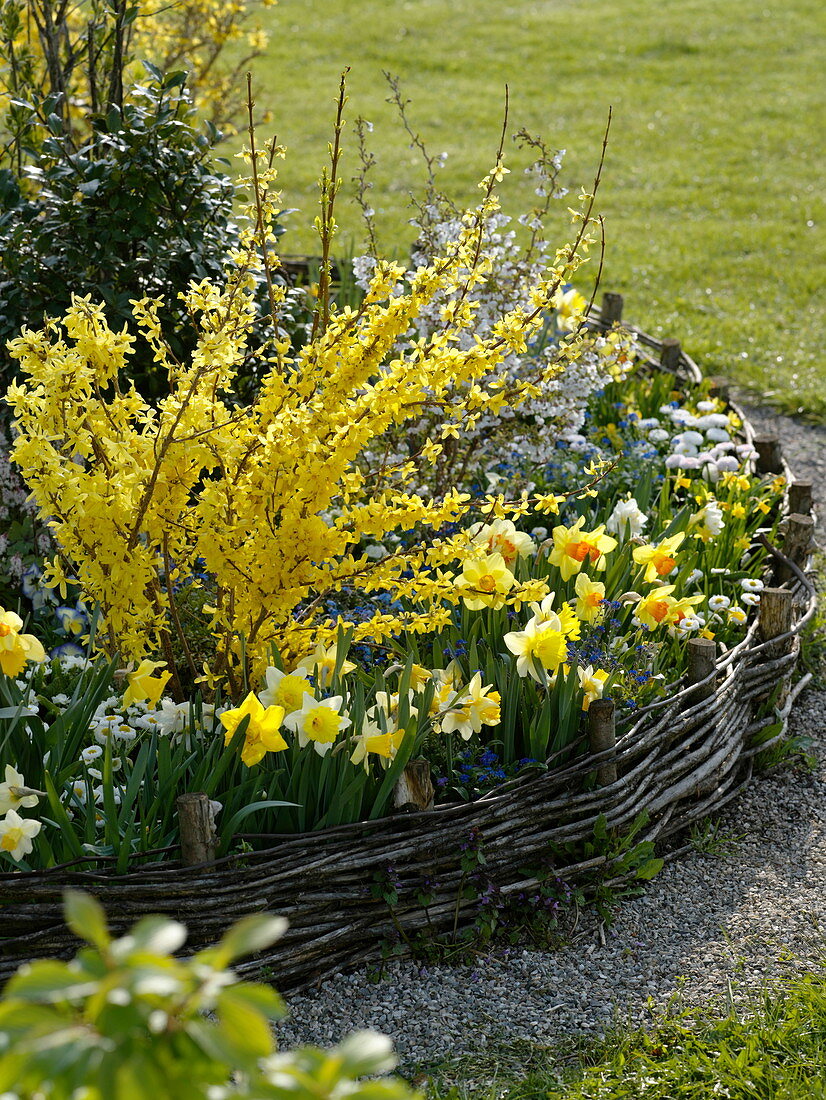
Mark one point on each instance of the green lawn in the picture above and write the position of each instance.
(775, 1049)
(712, 192)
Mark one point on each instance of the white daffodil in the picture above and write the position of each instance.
(323, 662)
(627, 519)
(285, 689)
(319, 721)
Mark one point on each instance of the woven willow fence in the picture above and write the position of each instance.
(678, 759)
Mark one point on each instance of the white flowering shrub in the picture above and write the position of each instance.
(560, 384)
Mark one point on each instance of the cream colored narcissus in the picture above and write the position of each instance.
(708, 523)
(371, 741)
(627, 519)
(485, 581)
(16, 648)
(318, 721)
(14, 793)
(285, 689)
(503, 537)
(476, 706)
(570, 305)
(17, 834)
(566, 617)
(323, 662)
(592, 682)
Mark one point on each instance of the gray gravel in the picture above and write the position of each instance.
(715, 925)
(707, 924)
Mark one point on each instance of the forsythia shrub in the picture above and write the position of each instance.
(266, 505)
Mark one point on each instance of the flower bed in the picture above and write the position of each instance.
(676, 758)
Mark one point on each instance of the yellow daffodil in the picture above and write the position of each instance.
(318, 721)
(142, 686)
(659, 606)
(729, 479)
(569, 306)
(16, 834)
(419, 677)
(573, 546)
(325, 661)
(485, 582)
(372, 740)
(540, 643)
(262, 733)
(660, 559)
(655, 608)
(592, 682)
(16, 648)
(590, 595)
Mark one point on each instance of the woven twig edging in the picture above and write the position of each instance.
(677, 760)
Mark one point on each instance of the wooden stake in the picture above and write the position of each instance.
(797, 545)
(611, 308)
(800, 497)
(670, 353)
(414, 788)
(195, 821)
(776, 608)
(769, 455)
(701, 653)
(602, 735)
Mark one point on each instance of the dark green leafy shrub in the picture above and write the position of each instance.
(141, 209)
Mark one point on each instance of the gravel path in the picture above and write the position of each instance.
(710, 925)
